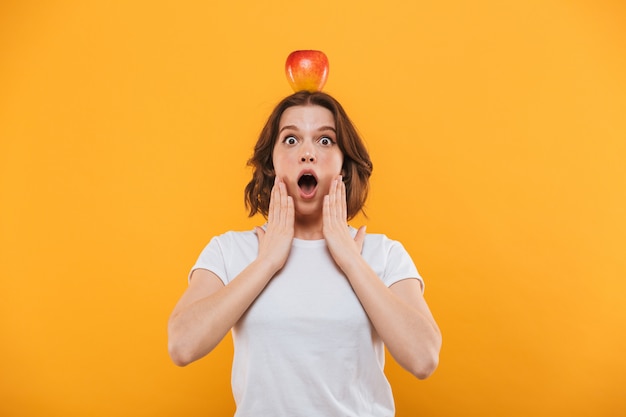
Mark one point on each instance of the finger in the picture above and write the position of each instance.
(281, 202)
(284, 203)
(274, 201)
(342, 199)
(334, 199)
(260, 233)
(291, 213)
(326, 214)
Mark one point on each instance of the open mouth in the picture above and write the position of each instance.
(307, 183)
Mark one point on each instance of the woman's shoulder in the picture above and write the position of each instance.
(381, 245)
(376, 239)
(236, 237)
(232, 243)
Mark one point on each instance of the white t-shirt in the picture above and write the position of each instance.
(306, 347)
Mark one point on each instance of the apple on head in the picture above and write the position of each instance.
(307, 70)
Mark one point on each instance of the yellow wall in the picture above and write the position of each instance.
(498, 133)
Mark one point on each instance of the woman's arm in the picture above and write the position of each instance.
(209, 309)
(399, 313)
(401, 317)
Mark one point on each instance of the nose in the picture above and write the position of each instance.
(307, 157)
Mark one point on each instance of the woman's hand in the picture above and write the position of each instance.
(340, 243)
(275, 241)
(209, 309)
(399, 313)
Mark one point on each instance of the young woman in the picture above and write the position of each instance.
(310, 300)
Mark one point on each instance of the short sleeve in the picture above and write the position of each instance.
(399, 265)
(389, 259)
(212, 259)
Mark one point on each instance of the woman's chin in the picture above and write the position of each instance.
(308, 209)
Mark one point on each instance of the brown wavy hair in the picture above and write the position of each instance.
(357, 166)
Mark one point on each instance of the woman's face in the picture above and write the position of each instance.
(306, 155)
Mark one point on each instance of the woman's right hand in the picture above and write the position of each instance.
(209, 309)
(275, 241)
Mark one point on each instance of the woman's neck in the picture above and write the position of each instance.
(307, 228)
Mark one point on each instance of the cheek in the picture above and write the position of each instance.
(337, 164)
(281, 164)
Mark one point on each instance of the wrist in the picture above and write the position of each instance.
(267, 267)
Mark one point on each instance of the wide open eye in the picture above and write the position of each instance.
(290, 140)
(326, 141)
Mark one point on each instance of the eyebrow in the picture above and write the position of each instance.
(294, 127)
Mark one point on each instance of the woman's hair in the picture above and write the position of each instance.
(357, 166)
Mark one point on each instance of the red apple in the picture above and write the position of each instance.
(307, 70)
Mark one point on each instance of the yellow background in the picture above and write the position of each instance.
(498, 134)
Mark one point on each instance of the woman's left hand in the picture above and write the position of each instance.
(399, 313)
(340, 243)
